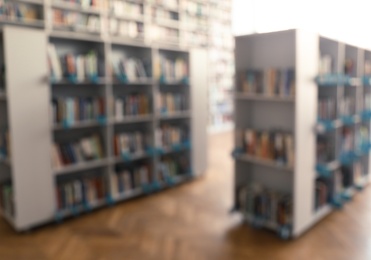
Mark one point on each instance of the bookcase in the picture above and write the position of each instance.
(302, 128)
(108, 121)
(174, 23)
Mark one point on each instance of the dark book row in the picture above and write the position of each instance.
(71, 110)
(75, 67)
(132, 105)
(172, 69)
(277, 146)
(130, 177)
(130, 29)
(130, 143)
(170, 135)
(81, 192)
(263, 204)
(131, 69)
(5, 151)
(7, 198)
(172, 102)
(123, 8)
(269, 82)
(76, 21)
(87, 3)
(18, 11)
(332, 189)
(327, 109)
(73, 152)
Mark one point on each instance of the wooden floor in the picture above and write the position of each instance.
(191, 222)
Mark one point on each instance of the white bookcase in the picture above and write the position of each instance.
(298, 114)
(25, 106)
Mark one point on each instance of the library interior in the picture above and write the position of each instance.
(185, 129)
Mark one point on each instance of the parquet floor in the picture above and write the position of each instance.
(191, 222)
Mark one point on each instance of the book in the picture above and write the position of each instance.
(132, 105)
(74, 110)
(79, 191)
(82, 67)
(75, 21)
(270, 206)
(274, 145)
(268, 82)
(169, 135)
(82, 150)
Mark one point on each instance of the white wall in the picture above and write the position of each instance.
(343, 20)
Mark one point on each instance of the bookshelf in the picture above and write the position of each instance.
(178, 23)
(315, 90)
(112, 120)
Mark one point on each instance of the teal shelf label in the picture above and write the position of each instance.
(102, 120)
(58, 217)
(147, 189)
(323, 170)
(87, 206)
(284, 232)
(123, 78)
(126, 156)
(66, 123)
(156, 186)
(185, 81)
(72, 78)
(333, 80)
(236, 152)
(170, 180)
(94, 78)
(328, 125)
(162, 79)
(110, 201)
(75, 212)
(151, 151)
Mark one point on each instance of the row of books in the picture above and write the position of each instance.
(326, 65)
(71, 110)
(73, 152)
(327, 109)
(159, 14)
(323, 192)
(81, 192)
(166, 34)
(130, 143)
(367, 101)
(172, 102)
(275, 146)
(172, 69)
(325, 149)
(270, 82)
(328, 189)
(76, 21)
(367, 71)
(5, 151)
(132, 105)
(79, 67)
(129, 29)
(348, 106)
(169, 135)
(16, 11)
(267, 205)
(174, 166)
(195, 8)
(171, 4)
(131, 68)
(7, 198)
(123, 8)
(128, 178)
(97, 4)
